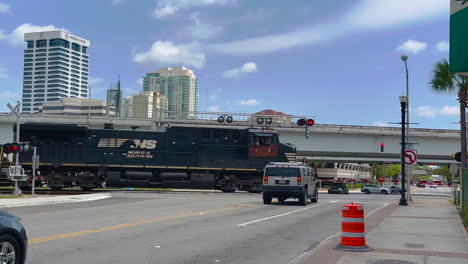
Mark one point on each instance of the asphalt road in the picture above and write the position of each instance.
(197, 228)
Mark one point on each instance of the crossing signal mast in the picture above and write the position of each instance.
(307, 123)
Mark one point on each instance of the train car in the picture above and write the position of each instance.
(227, 159)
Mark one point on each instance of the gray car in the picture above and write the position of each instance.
(13, 239)
(373, 188)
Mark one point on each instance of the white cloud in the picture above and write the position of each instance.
(95, 81)
(412, 46)
(443, 46)
(249, 102)
(248, 67)
(16, 38)
(213, 108)
(371, 14)
(380, 124)
(9, 94)
(200, 30)
(450, 110)
(166, 8)
(3, 73)
(2, 35)
(368, 15)
(430, 112)
(4, 8)
(164, 53)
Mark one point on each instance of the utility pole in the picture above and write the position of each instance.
(404, 58)
(403, 200)
(16, 111)
(34, 164)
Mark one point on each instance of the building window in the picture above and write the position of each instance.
(39, 77)
(75, 80)
(58, 68)
(27, 82)
(74, 84)
(58, 59)
(75, 71)
(40, 81)
(41, 43)
(58, 63)
(84, 74)
(86, 61)
(74, 75)
(40, 63)
(75, 53)
(30, 44)
(84, 49)
(40, 68)
(39, 95)
(57, 72)
(39, 100)
(26, 100)
(59, 43)
(75, 62)
(41, 50)
(41, 55)
(41, 59)
(26, 95)
(41, 72)
(85, 56)
(58, 77)
(40, 90)
(57, 86)
(74, 93)
(27, 104)
(84, 65)
(84, 86)
(75, 58)
(27, 73)
(85, 69)
(28, 51)
(75, 67)
(27, 86)
(59, 54)
(76, 47)
(38, 104)
(28, 64)
(27, 69)
(28, 60)
(59, 49)
(84, 78)
(53, 99)
(28, 55)
(57, 81)
(39, 86)
(84, 82)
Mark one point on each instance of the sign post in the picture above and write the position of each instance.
(34, 164)
(411, 157)
(458, 36)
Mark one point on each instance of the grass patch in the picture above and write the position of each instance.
(10, 197)
(464, 216)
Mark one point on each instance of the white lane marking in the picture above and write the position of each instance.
(288, 213)
(321, 244)
(308, 253)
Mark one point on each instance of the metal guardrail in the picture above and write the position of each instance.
(226, 118)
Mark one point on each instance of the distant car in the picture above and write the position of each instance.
(338, 187)
(421, 185)
(394, 188)
(13, 239)
(372, 188)
(433, 186)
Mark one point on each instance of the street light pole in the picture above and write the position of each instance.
(403, 103)
(404, 58)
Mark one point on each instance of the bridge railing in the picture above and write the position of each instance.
(226, 118)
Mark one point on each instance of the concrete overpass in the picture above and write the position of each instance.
(330, 143)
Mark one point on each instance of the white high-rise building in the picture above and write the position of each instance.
(144, 105)
(179, 84)
(56, 65)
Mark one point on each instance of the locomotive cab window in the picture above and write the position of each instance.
(263, 139)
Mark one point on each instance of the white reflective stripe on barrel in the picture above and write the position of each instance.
(348, 234)
(352, 220)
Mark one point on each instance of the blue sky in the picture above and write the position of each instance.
(336, 60)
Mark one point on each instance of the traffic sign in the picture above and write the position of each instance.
(410, 157)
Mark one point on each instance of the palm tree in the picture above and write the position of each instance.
(445, 81)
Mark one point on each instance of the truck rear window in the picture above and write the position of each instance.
(286, 172)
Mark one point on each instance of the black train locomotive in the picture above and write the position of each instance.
(180, 157)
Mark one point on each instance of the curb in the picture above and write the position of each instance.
(8, 203)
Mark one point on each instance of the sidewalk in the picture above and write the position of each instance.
(428, 231)
(17, 202)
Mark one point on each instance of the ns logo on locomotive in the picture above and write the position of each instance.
(228, 158)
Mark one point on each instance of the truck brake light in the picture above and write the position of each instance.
(265, 179)
(299, 180)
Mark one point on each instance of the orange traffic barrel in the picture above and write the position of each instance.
(353, 233)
